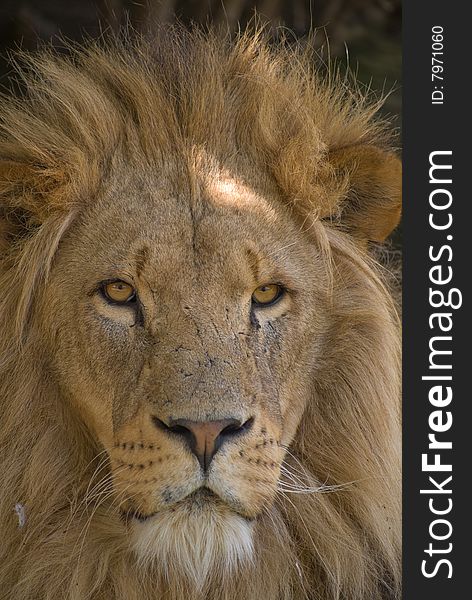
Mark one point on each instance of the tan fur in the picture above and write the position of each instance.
(196, 169)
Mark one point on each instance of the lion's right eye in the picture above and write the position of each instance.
(268, 294)
(119, 292)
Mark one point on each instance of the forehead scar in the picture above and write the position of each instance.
(141, 259)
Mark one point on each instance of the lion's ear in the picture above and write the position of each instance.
(371, 208)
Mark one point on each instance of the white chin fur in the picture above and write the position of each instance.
(193, 542)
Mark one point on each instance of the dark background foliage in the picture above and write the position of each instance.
(365, 34)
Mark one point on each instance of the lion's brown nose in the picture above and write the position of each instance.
(205, 438)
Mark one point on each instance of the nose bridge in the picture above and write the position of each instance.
(196, 325)
(197, 367)
(211, 392)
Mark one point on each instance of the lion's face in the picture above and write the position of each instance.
(192, 386)
(199, 361)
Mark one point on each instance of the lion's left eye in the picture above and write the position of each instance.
(119, 292)
(267, 294)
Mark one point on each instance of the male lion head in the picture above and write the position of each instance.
(199, 359)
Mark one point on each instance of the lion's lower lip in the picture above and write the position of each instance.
(197, 498)
(143, 518)
(203, 494)
(137, 516)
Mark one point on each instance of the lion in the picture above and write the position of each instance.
(199, 356)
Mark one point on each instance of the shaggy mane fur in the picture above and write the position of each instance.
(56, 142)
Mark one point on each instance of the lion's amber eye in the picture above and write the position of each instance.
(119, 291)
(267, 294)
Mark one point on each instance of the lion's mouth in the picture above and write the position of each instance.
(195, 501)
(131, 515)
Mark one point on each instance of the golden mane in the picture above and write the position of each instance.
(56, 145)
